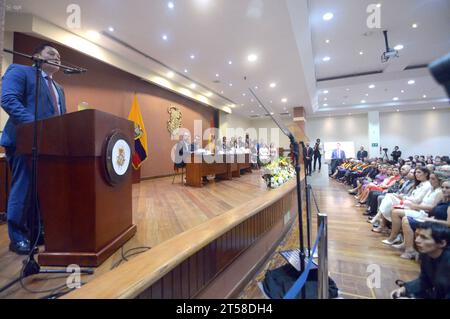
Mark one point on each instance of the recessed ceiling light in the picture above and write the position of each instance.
(271, 113)
(343, 103)
(111, 29)
(209, 94)
(217, 75)
(230, 62)
(378, 5)
(325, 92)
(94, 35)
(363, 101)
(411, 82)
(398, 110)
(221, 92)
(171, 5)
(253, 111)
(284, 100)
(271, 102)
(193, 86)
(424, 96)
(325, 105)
(399, 47)
(273, 85)
(414, 26)
(192, 57)
(434, 108)
(326, 59)
(170, 74)
(361, 52)
(372, 86)
(231, 84)
(327, 41)
(185, 71)
(252, 100)
(395, 99)
(252, 58)
(348, 90)
(243, 94)
(164, 37)
(325, 99)
(402, 91)
(328, 16)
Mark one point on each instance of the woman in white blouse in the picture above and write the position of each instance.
(422, 187)
(431, 199)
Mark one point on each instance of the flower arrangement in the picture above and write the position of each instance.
(278, 172)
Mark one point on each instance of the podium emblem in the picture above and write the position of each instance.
(118, 158)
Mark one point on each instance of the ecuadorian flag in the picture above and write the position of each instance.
(140, 135)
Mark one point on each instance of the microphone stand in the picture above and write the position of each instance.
(296, 151)
(30, 265)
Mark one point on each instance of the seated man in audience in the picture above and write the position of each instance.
(368, 174)
(432, 241)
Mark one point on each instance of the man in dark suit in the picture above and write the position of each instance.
(308, 154)
(362, 154)
(18, 100)
(396, 154)
(182, 151)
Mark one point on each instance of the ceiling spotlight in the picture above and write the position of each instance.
(411, 82)
(348, 90)
(111, 29)
(185, 71)
(414, 26)
(367, 94)
(361, 52)
(273, 85)
(325, 99)
(217, 75)
(363, 101)
(171, 5)
(343, 103)
(252, 58)
(192, 57)
(209, 94)
(325, 92)
(231, 84)
(378, 5)
(252, 100)
(326, 59)
(284, 100)
(94, 35)
(328, 16)
(395, 99)
(424, 96)
(402, 91)
(170, 74)
(243, 94)
(325, 105)
(193, 86)
(372, 86)
(399, 47)
(398, 110)
(434, 107)
(164, 37)
(271, 102)
(327, 41)
(230, 62)
(221, 92)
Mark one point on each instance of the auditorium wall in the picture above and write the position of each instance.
(415, 132)
(111, 90)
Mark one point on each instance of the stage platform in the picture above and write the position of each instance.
(206, 242)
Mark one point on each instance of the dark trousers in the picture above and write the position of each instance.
(334, 164)
(18, 200)
(308, 168)
(318, 158)
(372, 201)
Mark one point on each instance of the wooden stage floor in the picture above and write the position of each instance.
(161, 210)
(352, 247)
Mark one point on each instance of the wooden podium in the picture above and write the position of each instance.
(86, 218)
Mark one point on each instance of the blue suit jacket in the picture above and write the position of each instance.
(335, 155)
(18, 99)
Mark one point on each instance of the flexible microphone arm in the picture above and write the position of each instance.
(66, 69)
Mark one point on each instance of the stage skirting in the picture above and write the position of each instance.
(216, 259)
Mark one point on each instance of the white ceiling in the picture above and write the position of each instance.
(289, 47)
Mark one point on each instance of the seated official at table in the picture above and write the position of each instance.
(196, 145)
(182, 151)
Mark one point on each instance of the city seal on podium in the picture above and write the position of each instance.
(118, 158)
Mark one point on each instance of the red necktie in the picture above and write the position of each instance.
(52, 94)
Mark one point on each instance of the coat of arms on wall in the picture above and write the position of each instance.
(175, 117)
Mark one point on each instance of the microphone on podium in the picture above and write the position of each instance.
(74, 71)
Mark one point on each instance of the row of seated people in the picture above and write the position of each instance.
(407, 204)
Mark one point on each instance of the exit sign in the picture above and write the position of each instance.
(374, 144)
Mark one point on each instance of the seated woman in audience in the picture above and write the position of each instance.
(439, 214)
(378, 180)
(431, 200)
(421, 188)
(393, 174)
